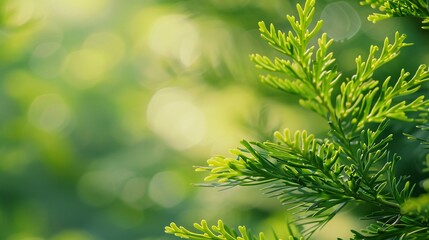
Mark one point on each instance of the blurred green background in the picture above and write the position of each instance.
(106, 105)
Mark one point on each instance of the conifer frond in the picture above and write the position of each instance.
(313, 75)
(313, 177)
(423, 141)
(316, 177)
(308, 72)
(399, 8)
(215, 232)
(396, 227)
(365, 101)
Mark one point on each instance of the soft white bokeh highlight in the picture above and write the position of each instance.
(174, 116)
(340, 20)
(177, 37)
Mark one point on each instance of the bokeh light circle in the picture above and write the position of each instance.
(85, 67)
(79, 11)
(49, 112)
(340, 20)
(174, 116)
(167, 189)
(177, 37)
(134, 191)
(46, 59)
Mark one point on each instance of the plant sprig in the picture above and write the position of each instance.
(317, 177)
(215, 232)
(399, 8)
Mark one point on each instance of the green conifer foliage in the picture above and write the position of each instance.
(399, 8)
(317, 177)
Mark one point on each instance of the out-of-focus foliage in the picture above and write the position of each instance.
(105, 106)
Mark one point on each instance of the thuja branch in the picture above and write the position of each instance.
(215, 232)
(317, 177)
(361, 100)
(399, 8)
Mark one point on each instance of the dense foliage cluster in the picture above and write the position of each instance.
(399, 8)
(317, 177)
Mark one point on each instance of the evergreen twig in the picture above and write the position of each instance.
(317, 177)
